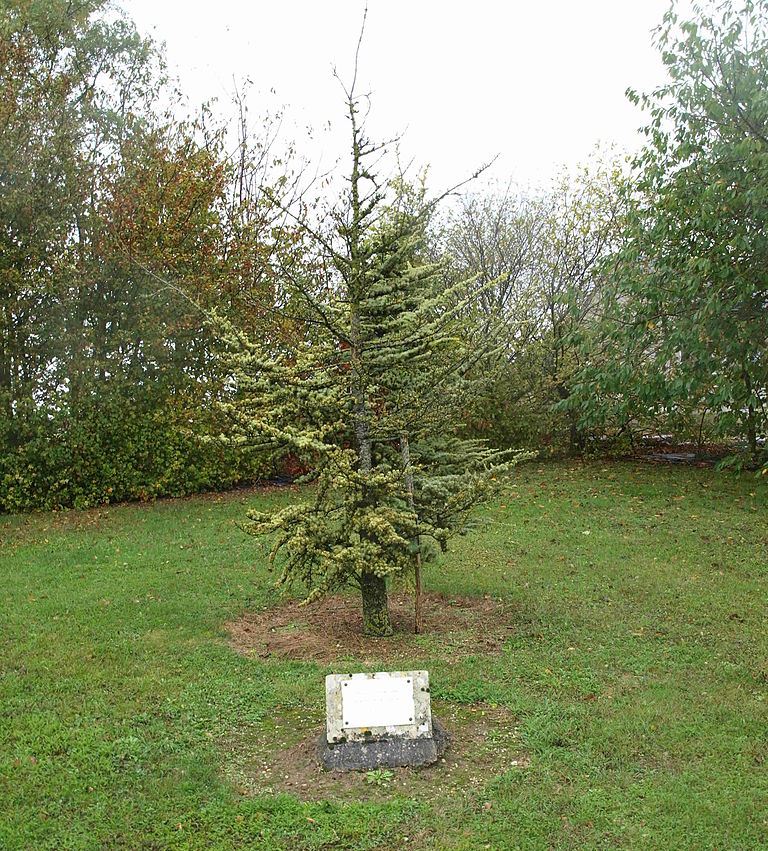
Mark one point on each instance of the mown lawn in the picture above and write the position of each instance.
(637, 675)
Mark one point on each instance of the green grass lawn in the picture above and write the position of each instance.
(637, 675)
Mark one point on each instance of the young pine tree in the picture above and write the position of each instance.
(371, 401)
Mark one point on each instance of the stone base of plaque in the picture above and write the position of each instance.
(392, 752)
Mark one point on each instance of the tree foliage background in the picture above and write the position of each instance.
(632, 297)
(685, 312)
(107, 373)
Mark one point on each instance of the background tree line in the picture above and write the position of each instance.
(120, 222)
(622, 299)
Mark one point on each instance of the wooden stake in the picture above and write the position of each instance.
(418, 624)
(405, 453)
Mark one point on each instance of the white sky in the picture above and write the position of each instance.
(539, 83)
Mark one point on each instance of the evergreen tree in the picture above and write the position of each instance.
(371, 400)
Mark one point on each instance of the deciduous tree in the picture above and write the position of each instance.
(687, 316)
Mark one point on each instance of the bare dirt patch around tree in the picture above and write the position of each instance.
(332, 629)
(280, 755)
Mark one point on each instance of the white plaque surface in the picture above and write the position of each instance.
(377, 702)
(385, 704)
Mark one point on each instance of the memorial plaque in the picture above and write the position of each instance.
(361, 707)
(379, 720)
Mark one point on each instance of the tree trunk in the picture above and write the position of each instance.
(751, 416)
(376, 620)
(373, 588)
(752, 431)
(6, 369)
(575, 437)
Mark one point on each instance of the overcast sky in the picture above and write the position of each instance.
(539, 83)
